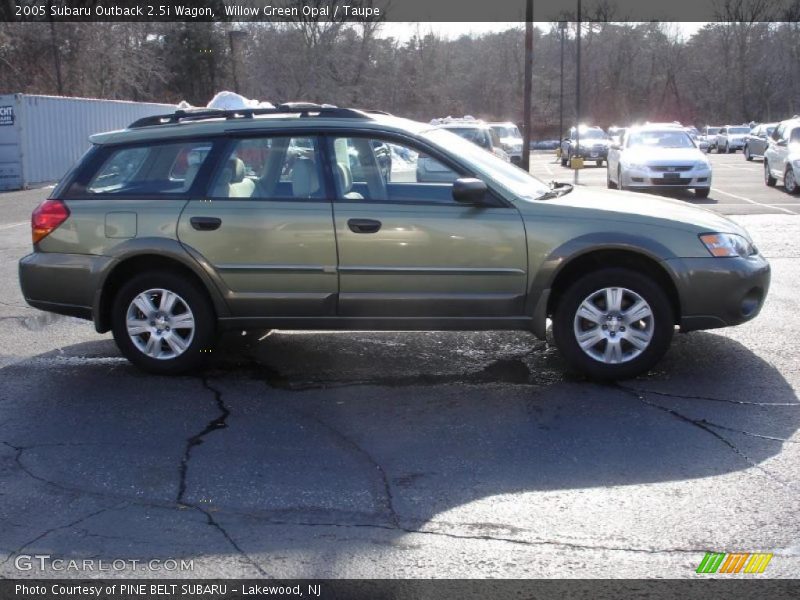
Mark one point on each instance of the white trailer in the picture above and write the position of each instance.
(41, 137)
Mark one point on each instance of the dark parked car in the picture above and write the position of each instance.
(757, 141)
(589, 142)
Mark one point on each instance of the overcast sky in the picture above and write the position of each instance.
(404, 31)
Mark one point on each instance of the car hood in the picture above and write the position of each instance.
(663, 155)
(635, 206)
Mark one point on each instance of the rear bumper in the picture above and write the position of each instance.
(61, 283)
(719, 292)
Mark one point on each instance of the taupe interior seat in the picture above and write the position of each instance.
(344, 179)
(232, 183)
(305, 181)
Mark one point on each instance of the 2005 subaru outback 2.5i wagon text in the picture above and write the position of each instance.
(286, 218)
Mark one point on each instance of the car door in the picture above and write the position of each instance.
(265, 228)
(407, 249)
(778, 150)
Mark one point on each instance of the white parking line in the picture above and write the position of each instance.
(14, 225)
(749, 201)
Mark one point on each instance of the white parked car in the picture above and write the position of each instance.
(510, 140)
(732, 138)
(782, 157)
(658, 157)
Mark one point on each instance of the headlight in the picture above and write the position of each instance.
(727, 244)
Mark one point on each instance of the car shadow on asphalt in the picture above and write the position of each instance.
(387, 430)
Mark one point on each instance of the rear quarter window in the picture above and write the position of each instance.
(144, 170)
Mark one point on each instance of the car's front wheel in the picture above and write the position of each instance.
(163, 323)
(702, 192)
(613, 324)
(610, 184)
(747, 156)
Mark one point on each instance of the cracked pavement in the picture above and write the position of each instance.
(455, 455)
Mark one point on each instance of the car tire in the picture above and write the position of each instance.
(747, 156)
(730, 150)
(768, 178)
(790, 181)
(150, 350)
(657, 327)
(702, 192)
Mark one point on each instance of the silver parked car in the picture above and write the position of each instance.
(731, 138)
(510, 140)
(658, 157)
(709, 135)
(757, 140)
(782, 157)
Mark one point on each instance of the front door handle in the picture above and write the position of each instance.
(364, 225)
(205, 223)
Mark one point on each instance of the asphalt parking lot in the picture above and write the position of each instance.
(406, 454)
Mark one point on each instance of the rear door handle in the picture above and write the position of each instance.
(205, 223)
(364, 225)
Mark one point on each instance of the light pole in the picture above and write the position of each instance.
(526, 103)
(234, 37)
(562, 26)
(578, 91)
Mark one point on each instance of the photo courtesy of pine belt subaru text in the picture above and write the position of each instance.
(315, 217)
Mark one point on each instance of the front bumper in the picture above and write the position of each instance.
(652, 179)
(599, 153)
(719, 292)
(61, 283)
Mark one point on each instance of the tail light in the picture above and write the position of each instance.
(47, 217)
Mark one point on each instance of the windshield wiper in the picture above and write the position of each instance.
(556, 191)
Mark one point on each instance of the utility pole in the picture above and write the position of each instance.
(578, 92)
(56, 58)
(562, 26)
(234, 38)
(526, 110)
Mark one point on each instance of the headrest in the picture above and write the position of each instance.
(344, 178)
(236, 166)
(305, 182)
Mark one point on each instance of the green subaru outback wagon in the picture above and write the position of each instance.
(313, 217)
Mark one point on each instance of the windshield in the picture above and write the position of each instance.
(485, 164)
(506, 131)
(475, 135)
(593, 134)
(738, 130)
(660, 139)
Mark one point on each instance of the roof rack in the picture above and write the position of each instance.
(304, 109)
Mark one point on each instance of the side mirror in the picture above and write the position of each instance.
(782, 143)
(468, 190)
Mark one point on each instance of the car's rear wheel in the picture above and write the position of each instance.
(790, 181)
(768, 178)
(613, 324)
(163, 323)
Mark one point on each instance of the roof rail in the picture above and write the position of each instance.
(304, 109)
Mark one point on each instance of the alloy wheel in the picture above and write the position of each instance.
(160, 323)
(614, 325)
